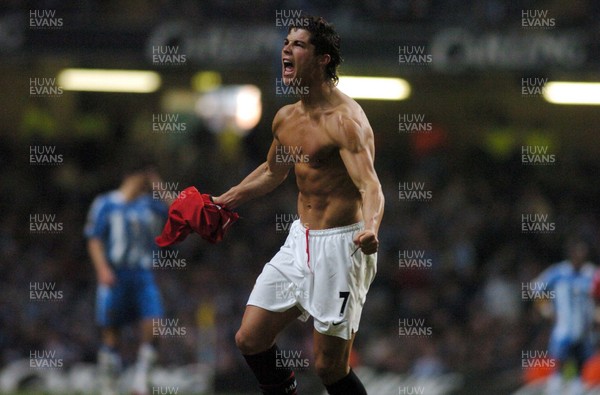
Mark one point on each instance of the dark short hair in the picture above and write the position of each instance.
(576, 239)
(325, 39)
(135, 163)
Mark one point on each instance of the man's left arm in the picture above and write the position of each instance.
(357, 152)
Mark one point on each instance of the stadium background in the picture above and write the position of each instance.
(470, 93)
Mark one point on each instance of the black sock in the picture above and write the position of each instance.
(349, 385)
(273, 380)
(286, 387)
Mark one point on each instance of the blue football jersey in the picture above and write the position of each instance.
(571, 298)
(127, 228)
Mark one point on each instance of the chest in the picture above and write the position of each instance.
(132, 218)
(571, 286)
(303, 140)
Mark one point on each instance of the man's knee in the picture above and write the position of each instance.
(250, 344)
(331, 370)
(110, 337)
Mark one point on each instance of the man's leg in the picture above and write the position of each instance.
(145, 358)
(256, 341)
(109, 362)
(582, 351)
(147, 305)
(332, 355)
(554, 384)
(559, 352)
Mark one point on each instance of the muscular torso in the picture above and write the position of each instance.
(327, 196)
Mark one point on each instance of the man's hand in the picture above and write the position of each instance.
(105, 276)
(367, 241)
(104, 273)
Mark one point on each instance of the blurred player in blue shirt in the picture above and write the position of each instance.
(120, 229)
(570, 284)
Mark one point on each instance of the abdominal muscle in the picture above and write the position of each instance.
(327, 198)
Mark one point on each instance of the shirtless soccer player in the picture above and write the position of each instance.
(329, 258)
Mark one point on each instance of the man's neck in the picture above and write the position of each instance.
(577, 265)
(320, 95)
(129, 193)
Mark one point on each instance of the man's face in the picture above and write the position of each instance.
(578, 252)
(297, 57)
(138, 181)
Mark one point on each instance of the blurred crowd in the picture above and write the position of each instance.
(470, 232)
(477, 13)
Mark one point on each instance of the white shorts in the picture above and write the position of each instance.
(315, 271)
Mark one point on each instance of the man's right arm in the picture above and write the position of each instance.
(263, 179)
(104, 273)
(96, 225)
(543, 282)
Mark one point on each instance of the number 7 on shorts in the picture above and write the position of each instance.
(344, 295)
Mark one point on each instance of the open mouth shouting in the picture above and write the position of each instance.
(288, 68)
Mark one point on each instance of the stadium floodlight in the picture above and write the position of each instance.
(248, 107)
(563, 92)
(105, 80)
(374, 88)
(233, 106)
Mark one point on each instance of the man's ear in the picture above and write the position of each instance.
(324, 59)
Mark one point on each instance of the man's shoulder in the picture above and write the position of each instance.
(283, 113)
(589, 269)
(349, 114)
(348, 107)
(108, 199)
(147, 201)
(288, 108)
(348, 122)
(565, 269)
(561, 268)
